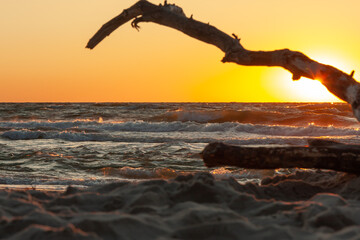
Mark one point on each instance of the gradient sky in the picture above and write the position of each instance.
(43, 55)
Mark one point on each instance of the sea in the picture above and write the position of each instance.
(54, 145)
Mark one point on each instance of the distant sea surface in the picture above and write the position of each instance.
(53, 145)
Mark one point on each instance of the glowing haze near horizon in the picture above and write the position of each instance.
(43, 55)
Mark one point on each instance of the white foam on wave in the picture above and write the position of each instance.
(49, 124)
(65, 135)
(164, 131)
(142, 126)
(47, 183)
(311, 130)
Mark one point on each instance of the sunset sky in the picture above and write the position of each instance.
(43, 55)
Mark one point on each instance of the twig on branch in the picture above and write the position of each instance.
(236, 37)
(352, 73)
(319, 154)
(337, 82)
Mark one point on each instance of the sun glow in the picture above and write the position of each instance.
(312, 90)
(280, 82)
(309, 90)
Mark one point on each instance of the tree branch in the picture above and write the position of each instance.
(341, 84)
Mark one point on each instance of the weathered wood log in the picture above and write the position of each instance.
(341, 84)
(320, 154)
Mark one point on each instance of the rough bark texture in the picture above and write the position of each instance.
(341, 84)
(319, 154)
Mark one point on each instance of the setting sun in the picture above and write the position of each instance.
(307, 90)
(312, 90)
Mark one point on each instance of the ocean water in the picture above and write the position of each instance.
(53, 145)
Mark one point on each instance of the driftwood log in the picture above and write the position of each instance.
(341, 84)
(319, 154)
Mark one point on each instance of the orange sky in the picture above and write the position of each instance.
(43, 55)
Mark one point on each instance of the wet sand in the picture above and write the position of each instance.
(303, 205)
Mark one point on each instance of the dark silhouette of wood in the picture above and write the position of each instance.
(341, 84)
(319, 154)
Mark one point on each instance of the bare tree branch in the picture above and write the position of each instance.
(321, 154)
(341, 84)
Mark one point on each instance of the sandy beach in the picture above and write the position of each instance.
(303, 205)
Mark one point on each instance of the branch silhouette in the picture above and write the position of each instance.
(341, 84)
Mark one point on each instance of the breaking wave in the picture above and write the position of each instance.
(160, 131)
(331, 117)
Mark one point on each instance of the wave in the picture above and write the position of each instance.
(177, 132)
(79, 115)
(288, 117)
(255, 113)
(111, 174)
(142, 173)
(162, 126)
(87, 126)
(218, 116)
(168, 173)
(48, 124)
(46, 184)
